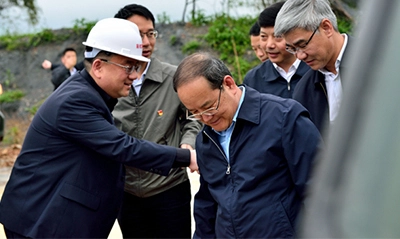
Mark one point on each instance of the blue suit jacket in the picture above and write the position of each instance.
(68, 179)
(259, 192)
(266, 79)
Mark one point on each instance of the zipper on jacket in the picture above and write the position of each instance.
(288, 86)
(228, 169)
(323, 88)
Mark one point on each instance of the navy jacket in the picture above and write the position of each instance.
(260, 192)
(68, 180)
(311, 93)
(266, 79)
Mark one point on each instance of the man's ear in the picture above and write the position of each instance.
(327, 27)
(97, 68)
(229, 81)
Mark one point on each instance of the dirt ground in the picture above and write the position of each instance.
(15, 131)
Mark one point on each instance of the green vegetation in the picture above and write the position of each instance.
(11, 96)
(12, 136)
(163, 18)
(173, 40)
(32, 110)
(82, 26)
(9, 88)
(191, 47)
(344, 24)
(26, 41)
(199, 18)
(229, 36)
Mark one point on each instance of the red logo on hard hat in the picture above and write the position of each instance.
(138, 46)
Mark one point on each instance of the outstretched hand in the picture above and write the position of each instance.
(46, 64)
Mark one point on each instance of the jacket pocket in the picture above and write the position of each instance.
(286, 224)
(80, 196)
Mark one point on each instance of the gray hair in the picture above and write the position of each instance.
(304, 14)
(201, 64)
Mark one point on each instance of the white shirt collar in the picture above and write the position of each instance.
(292, 70)
(339, 59)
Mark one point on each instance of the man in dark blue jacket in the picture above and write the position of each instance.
(281, 72)
(311, 33)
(68, 180)
(255, 153)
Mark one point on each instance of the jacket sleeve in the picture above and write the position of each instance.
(58, 75)
(301, 142)
(82, 119)
(205, 211)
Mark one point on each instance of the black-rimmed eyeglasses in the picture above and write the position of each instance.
(128, 69)
(209, 112)
(295, 49)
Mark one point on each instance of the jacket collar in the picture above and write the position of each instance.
(273, 74)
(110, 102)
(250, 110)
(342, 67)
(154, 72)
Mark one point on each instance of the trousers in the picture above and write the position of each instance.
(165, 215)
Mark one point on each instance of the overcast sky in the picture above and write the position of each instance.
(56, 14)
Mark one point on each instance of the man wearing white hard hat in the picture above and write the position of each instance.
(68, 180)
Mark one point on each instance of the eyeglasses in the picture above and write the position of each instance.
(152, 34)
(294, 50)
(128, 69)
(209, 112)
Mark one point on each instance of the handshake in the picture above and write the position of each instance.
(193, 160)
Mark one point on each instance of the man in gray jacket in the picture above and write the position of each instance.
(154, 206)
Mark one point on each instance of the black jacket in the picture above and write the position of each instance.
(59, 73)
(266, 79)
(311, 93)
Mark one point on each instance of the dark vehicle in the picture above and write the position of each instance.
(357, 183)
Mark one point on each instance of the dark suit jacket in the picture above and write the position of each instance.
(266, 79)
(59, 73)
(68, 179)
(311, 93)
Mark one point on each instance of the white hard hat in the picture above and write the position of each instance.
(117, 36)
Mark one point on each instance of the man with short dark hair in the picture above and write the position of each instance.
(255, 42)
(154, 206)
(281, 72)
(68, 67)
